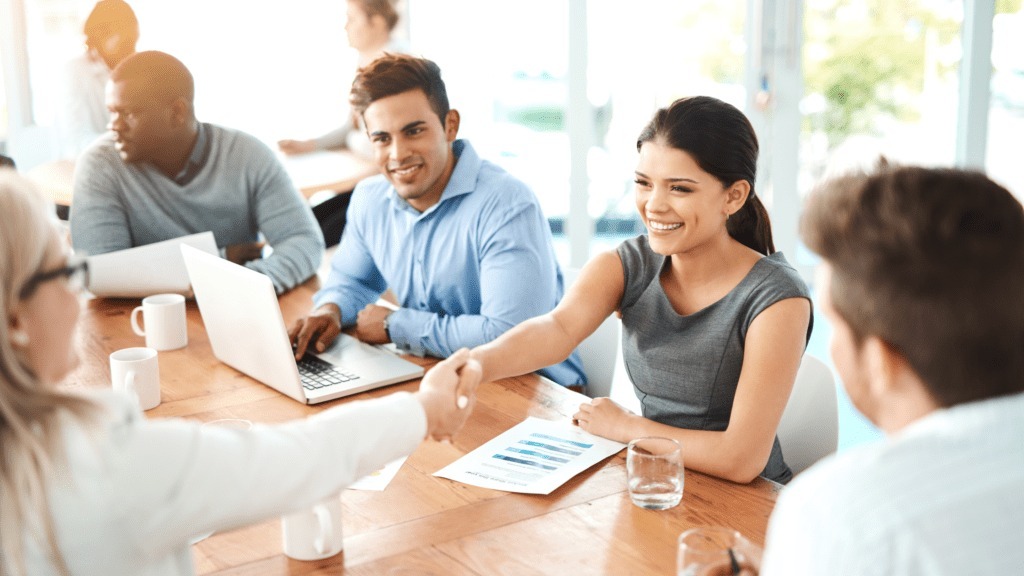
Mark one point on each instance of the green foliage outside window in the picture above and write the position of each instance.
(869, 60)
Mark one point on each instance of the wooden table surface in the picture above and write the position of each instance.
(422, 524)
(55, 179)
(327, 171)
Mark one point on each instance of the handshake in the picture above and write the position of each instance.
(448, 393)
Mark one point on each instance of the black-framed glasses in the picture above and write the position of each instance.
(76, 273)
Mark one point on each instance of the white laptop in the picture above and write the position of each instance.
(243, 321)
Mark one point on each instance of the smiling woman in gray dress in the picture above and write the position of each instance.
(714, 320)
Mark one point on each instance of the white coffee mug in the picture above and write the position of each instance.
(314, 533)
(137, 372)
(164, 319)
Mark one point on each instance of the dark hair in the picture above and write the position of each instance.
(383, 8)
(931, 261)
(162, 75)
(6, 162)
(109, 17)
(397, 73)
(723, 143)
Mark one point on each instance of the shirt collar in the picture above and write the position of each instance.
(197, 159)
(462, 181)
(975, 414)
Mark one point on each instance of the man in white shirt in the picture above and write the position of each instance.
(923, 282)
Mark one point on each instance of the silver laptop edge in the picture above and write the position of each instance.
(247, 332)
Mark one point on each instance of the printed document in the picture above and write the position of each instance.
(535, 457)
(379, 480)
(145, 270)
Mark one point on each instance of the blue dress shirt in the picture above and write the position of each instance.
(465, 270)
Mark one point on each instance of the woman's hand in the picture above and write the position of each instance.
(605, 418)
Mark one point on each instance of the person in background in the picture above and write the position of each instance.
(161, 174)
(90, 486)
(111, 33)
(922, 281)
(463, 245)
(369, 26)
(714, 321)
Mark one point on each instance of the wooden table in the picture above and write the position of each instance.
(327, 171)
(55, 179)
(422, 524)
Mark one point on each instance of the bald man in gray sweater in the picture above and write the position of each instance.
(161, 174)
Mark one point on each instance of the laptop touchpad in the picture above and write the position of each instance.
(347, 349)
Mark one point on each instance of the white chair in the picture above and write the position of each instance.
(601, 354)
(809, 429)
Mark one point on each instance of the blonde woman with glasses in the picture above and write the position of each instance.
(89, 486)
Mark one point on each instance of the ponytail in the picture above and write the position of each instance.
(751, 227)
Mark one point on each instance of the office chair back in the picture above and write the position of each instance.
(600, 351)
(809, 429)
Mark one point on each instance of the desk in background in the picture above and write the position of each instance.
(422, 524)
(327, 171)
(55, 179)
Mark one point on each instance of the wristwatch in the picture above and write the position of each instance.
(387, 332)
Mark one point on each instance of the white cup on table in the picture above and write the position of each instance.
(234, 424)
(136, 371)
(314, 533)
(163, 317)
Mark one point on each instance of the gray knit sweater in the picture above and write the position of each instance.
(239, 192)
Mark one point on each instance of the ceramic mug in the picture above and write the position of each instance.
(164, 318)
(137, 372)
(314, 533)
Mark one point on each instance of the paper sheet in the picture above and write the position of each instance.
(379, 480)
(145, 270)
(535, 457)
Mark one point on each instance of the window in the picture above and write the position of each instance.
(881, 77)
(1006, 113)
(511, 83)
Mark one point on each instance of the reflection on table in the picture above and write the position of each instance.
(423, 524)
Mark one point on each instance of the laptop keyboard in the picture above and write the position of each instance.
(316, 373)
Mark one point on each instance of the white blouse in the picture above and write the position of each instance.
(135, 491)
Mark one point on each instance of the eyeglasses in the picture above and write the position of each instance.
(76, 273)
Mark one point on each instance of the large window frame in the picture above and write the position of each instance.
(773, 68)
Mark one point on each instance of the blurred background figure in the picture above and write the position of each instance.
(111, 33)
(369, 26)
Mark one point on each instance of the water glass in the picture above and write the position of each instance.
(716, 551)
(654, 469)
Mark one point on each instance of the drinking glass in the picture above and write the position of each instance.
(716, 551)
(654, 470)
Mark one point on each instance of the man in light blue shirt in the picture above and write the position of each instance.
(462, 243)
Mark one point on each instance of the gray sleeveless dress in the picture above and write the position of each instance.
(685, 369)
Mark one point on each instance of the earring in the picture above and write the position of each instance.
(19, 338)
